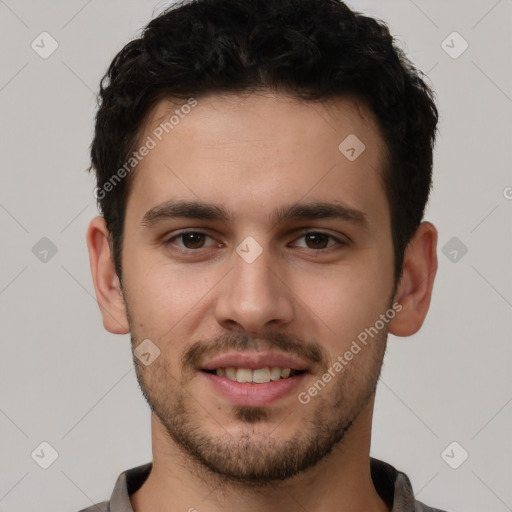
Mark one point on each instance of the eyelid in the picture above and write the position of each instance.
(168, 240)
(341, 239)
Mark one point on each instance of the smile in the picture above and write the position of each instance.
(256, 376)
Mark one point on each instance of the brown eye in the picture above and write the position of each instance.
(193, 240)
(317, 240)
(190, 240)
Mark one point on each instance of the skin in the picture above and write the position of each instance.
(253, 154)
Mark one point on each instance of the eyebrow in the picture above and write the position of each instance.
(209, 211)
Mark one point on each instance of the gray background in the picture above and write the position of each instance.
(66, 381)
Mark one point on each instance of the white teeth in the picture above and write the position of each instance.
(261, 375)
(244, 375)
(258, 376)
(275, 373)
(231, 373)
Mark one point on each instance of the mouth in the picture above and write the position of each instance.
(257, 376)
(254, 379)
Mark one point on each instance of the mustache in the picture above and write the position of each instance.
(310, 351)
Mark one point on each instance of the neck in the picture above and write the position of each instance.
(339, 482)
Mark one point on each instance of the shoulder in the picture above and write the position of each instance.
(99, 507)
(395, 488)
(421, 507)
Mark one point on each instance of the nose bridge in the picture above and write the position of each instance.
(253, 294)
(254, 277)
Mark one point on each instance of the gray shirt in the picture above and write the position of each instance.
(393, 487)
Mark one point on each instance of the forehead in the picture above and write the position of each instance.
(260, 150)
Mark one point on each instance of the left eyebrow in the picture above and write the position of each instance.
(209, 211)
(320, 210)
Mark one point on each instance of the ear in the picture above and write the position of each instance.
(415, 287)
(106, 282)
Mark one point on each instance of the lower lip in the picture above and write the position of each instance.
(244, 394)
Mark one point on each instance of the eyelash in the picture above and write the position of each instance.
(169, 241)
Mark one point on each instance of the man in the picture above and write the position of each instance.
(263, 169)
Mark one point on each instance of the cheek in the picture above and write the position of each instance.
(347, 300)
(162, 296)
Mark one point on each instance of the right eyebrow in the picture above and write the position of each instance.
(185, 209)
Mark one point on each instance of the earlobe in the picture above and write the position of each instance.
(414, 290)
(106, 282)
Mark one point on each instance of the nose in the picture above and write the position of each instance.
(255, 296)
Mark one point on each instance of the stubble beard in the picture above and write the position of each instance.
(252, 456)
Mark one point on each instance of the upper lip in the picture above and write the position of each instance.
(255, 360)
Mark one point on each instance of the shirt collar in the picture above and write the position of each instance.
(128, 482)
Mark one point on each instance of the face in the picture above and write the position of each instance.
(255, 253)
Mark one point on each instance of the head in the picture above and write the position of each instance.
(292, 141)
